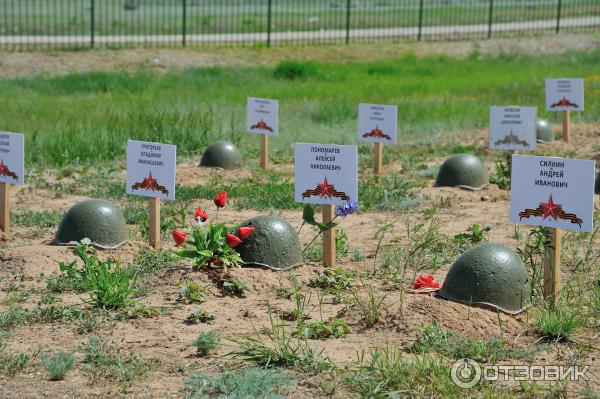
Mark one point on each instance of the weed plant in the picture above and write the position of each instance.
(559, 322)
(250, 382)
(190, 292)
(58, 365)
(279, 349)
(106, 362)
(207, 342)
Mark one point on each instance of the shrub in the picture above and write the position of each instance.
(294, 70)
(58, 365)
(207, 341)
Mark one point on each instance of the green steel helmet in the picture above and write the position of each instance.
(98, 220)
(274, 244)
(462, 170)
(544, 131)
(222, 154)
(491, 275)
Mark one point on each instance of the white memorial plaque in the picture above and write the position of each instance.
(564, 95)
(262, 116)
(552, 192)
(377, 123)
(326, 174)
(513, 128)
(12, 158)
(151, 169)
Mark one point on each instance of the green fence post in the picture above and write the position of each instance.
(558, 12)
(420, 20)
(348, 5)
(490, 19)
(184, 23)
(269, 21)
(92, 22)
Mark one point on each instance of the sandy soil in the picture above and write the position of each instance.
(26, 258)
(22, 64)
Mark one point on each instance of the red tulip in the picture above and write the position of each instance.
(232, 240)
(244, 232)
(179, 237)
(201, 215)
(221, 199)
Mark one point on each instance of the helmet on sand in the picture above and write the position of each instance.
(274, 244)
(221, 154)
(544, 131)
(96, 219)
(489, 274)
(463, 170)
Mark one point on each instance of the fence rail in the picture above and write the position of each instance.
(26, 24)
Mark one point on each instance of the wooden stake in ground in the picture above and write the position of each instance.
(378, 159)
(154, 217)
(510, 155)
(552, 266)
(264, 156)
(329, 258)
(5, 207)
(566, 131)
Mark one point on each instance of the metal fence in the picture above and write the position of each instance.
(26, 24)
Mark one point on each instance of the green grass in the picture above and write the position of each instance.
(10, 364)
(248, 383)
(30, 218)
(279, 349)
(84, 118)
(386, 373)
(104, 361)
(434, 339)
(559, 323)
(12, 318)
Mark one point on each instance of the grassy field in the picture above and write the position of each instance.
(86, 118)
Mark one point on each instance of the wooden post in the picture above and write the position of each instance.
(510, 154)
(329, 259)
(552, 266)
(154, 223)
(378, 159)
(264, 156)
(5, 207)
(566, 127)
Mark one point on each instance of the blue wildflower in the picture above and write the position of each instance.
(348, 208)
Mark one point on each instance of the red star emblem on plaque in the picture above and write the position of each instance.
(550, 208)
(325, 188)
